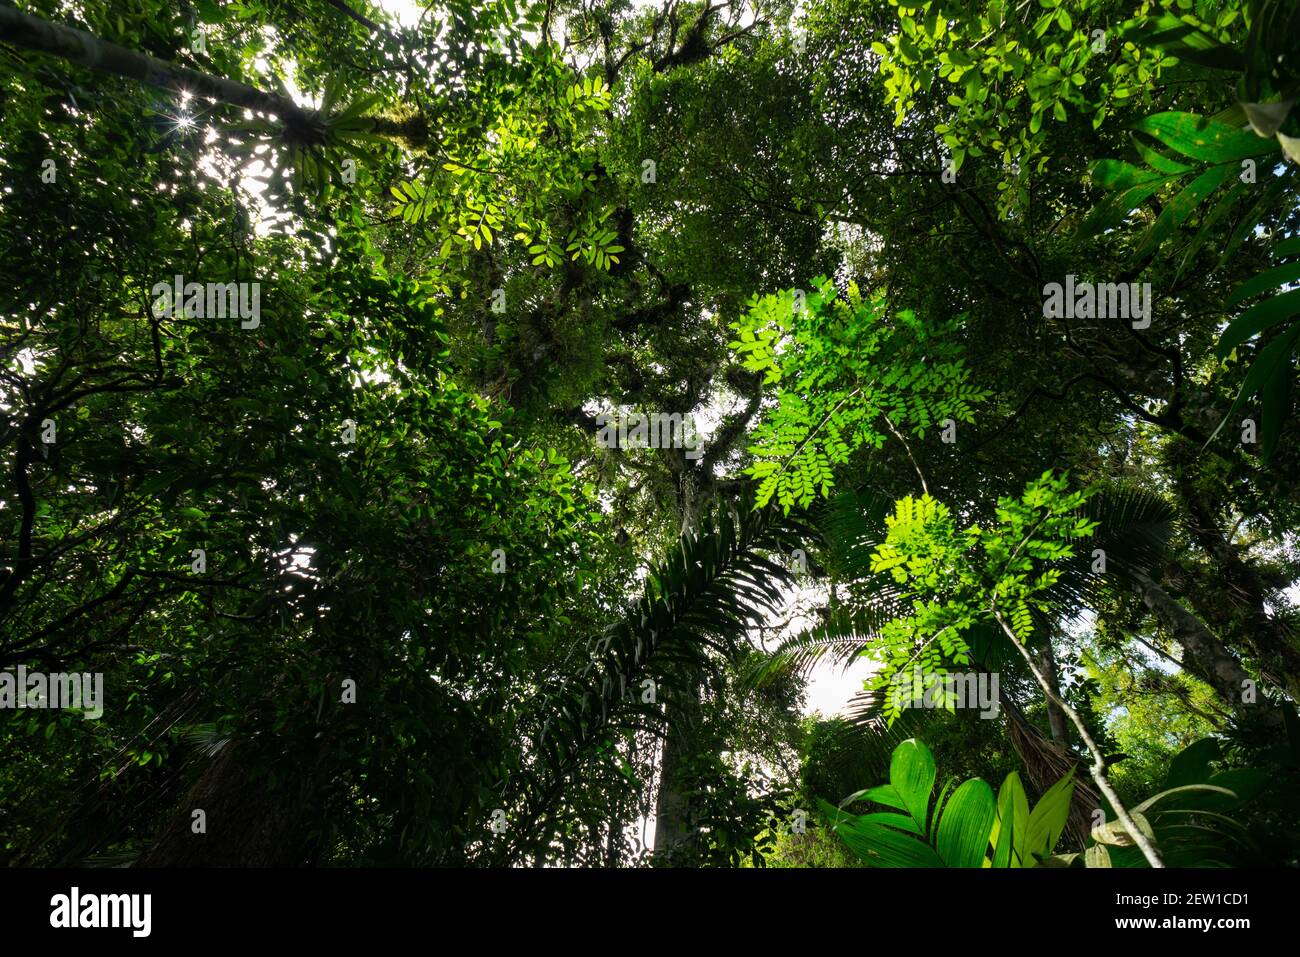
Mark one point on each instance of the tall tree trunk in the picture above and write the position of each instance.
(1055, 716)
(246, 822)
(1237, 598)
(673, 832)
(1204, 655)
(614, 828)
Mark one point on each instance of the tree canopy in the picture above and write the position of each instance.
(452, 433)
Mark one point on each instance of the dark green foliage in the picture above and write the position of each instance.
(364, 575)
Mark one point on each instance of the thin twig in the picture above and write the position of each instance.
(1099, 761)
(925, 489)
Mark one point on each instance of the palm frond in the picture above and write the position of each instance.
(852, 524)
(1133, 531)
(843, 635)
(703, 597)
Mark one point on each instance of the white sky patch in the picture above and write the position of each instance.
(830, 684)
(831, 687)
(407, 13)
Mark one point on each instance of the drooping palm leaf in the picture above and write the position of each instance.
(1134, 526)
(704, 596)
(851, 526)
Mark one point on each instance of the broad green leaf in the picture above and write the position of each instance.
(900, 821)
(1192, 764)
(1269, 279)
(1181, 206)
(911, 775)
(1047, 820)
(1203, 139)
(1186, 789)
(1002, 838)
(1013, 818)
(1157, 160)
(884, 847)
(1261, 316)
(1114, 174)
(879, 845)
(964, 827)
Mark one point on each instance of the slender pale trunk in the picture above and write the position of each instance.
(672, 806)
(1056, 720)
(1098, 768)
(1204, 655)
